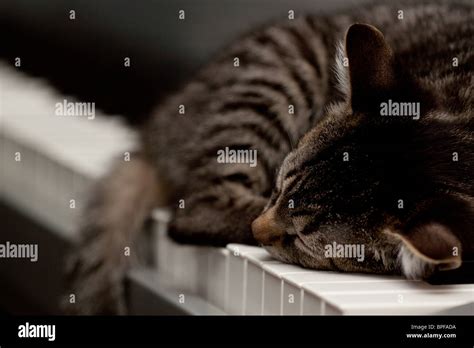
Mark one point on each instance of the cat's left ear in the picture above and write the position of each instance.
(428, 245)
(371, 65)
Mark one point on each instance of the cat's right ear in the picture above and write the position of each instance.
(371, 66)
(426, 248)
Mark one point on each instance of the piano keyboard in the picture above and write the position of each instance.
(62, 156)
(243, 279)
(49, 161)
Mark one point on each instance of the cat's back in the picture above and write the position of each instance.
(433, 41)
(291, 63)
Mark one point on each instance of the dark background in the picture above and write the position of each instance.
(84, 57)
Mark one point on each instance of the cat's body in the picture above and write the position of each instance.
(284, 85)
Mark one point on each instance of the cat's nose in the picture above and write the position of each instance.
(266, 229)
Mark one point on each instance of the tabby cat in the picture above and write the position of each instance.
(332, 167)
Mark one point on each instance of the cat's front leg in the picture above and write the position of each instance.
(217, 215)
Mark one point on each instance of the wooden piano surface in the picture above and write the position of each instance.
(60, 158)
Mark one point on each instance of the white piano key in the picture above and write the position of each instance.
(238, 277)
(66, 211)
(273, 286)
(330, 309)
(291, 299)
(21, 173)
(403, 303)
(50, 180)
(60, 204)
(257, 255)
(177, 264)
(162, 215)
(37, 188)
(243, 250)
(204, 268)
(10, 167)
(315, 290)
(71, 189)
(82, 185)
(53, 144)
(66, 154)
(254, 290)
(65, 182)
(238, 270)
(337, 294)
(311, 304)
(237, 283)
(217, 277)
(201, 261)
(7, 160)
(310, 276)
(381, 286)
(183, 266)
(161, 218)
(292, 286)
(27, 191)
(465, 309)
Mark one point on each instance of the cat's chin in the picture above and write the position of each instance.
(414, 267)
(302, 247)
(277, 254)
(298, 254)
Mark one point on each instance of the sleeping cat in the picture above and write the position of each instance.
(363, 135)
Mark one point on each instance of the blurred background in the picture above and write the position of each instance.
(84, 58)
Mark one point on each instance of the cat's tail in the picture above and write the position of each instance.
(112, 220)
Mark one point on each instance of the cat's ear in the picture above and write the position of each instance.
(371, 65)
(428, 245)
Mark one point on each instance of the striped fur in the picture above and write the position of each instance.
(314, 196)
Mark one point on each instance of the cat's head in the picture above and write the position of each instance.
(368, 192)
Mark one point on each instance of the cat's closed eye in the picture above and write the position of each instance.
(334, 189)
(355, 138)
